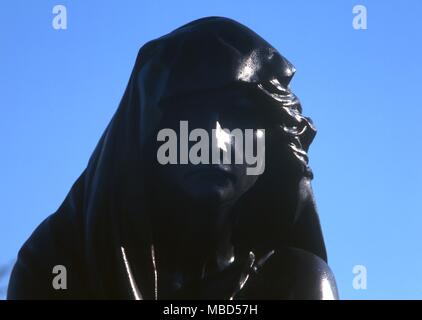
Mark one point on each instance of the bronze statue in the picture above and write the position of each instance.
(134, 228)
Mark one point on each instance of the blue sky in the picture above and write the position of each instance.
(59, 89)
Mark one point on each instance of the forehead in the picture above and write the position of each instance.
(231, 98)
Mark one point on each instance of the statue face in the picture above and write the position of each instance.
(213, 182)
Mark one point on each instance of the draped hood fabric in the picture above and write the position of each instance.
(101, 233)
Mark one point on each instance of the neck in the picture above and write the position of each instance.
(190, 246)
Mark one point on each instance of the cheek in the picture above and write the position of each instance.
(250, 181)
(243, 181)
(251, 150)
(168, 175)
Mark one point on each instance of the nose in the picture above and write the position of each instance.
(219, 140)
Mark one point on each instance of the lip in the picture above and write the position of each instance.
(215, 170)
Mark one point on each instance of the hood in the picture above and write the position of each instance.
(103, 226)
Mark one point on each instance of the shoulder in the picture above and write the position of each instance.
(36, 266)
(312, 277)
(292, 273)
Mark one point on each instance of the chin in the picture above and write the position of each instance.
(211, 195)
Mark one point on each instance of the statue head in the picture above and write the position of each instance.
(198, 86)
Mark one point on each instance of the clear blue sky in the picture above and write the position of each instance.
(59, 89)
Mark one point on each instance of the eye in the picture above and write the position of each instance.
(259, 133)
(242, 119)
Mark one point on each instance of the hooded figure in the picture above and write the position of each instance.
(127, 230)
